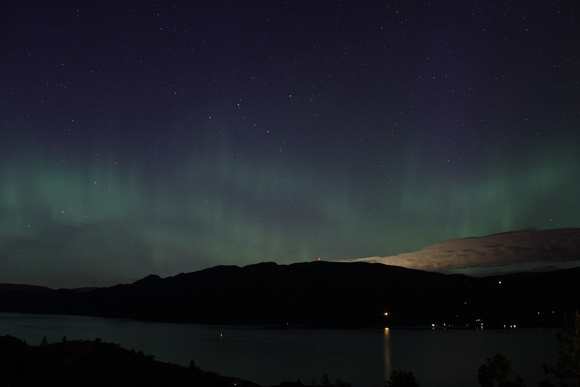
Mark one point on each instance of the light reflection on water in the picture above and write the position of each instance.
(363, 357)
(387, 353)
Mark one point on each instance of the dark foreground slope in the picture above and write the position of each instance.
(322, 294)
(93, 363)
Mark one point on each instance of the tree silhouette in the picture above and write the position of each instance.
(340, 383)
(567, 371)
(402, 379)
(498, 369)
(325, 381)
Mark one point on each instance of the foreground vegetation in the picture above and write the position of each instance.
(497, 370)
(94, 363)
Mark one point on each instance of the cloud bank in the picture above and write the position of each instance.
(523, 250)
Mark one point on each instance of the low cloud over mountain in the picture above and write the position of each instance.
(525, 250)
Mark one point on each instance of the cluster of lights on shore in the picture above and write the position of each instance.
(480, 321)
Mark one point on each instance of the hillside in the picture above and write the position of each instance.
(321, 294)
(94, 363)
(22, 288)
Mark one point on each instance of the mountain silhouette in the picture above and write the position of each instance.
(321, 294)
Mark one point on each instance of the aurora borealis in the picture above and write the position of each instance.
(167, 137)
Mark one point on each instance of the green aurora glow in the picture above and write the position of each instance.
(102, 219)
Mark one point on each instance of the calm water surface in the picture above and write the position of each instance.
(363, 357)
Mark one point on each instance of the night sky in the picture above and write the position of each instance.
(142, 137)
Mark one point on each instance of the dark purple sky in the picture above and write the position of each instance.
(143, 137)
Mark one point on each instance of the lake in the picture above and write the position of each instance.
(362, 357)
